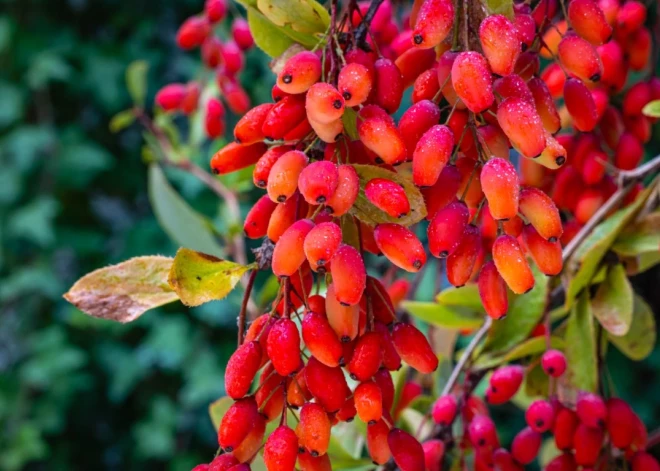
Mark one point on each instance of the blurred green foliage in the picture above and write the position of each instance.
(75, 392)
(80, 393)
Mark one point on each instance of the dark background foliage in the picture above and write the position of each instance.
(75, 392)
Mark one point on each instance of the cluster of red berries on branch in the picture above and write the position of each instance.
(344, 179)
(226, 58)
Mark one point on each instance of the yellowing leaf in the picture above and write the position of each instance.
(585, 261)
(123, 292)
(525, 312)
(199, 278)
(501, 7)
(613, 303)
(218, 409)
(267, 36)
(304, 16)
(366, 212)
(638, 343)
(652, 109)
(444, 316)
(582, 371)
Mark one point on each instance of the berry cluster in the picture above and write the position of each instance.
(226, 58)
(477, 92)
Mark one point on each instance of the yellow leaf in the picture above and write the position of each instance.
(123, 292)
(199, 278)
(304, 16)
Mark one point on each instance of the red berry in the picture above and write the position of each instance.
(367, 357)
(500, 43)
(289, 253)
(368, 402)
(377, 443)
(237, 423)
(354, 83)
(566, 423)
(492, 291)
(522, 124)
(547, 255)
(321, 244)
(553, 363)
(281, 449)
(414, 348)
(592, 410)
(400, 246)
(387, 196)
(193, 32)
(512, 265)
(313, 430)
(299, 73)
(326, 384)
(499, 181)
(434, 451)
(434, 23)
(446, 229)
(587, 442)
(240, 31)
(482, 432)
(471, 78)
(540, 416)
(347, 190)
(284, 347)
(526, 445)
(344, 319)
(431, 155)
(444, 410)
(215, 10)
(235, 156)
(283, 177)
(541, 212)
(588, 20)
(407, 452)
(241, 369)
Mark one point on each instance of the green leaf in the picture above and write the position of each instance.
(466, 296)
(525, 312)
(270, 38)
(184, 225)
(643, 236)
(527, 348)
(136, 81)
(501, 7)
(304, 16)
(453, 317)
(613, 303)
(584, 263)
(638, 343)
(199, 278)
(123, 292)
(582, 371)
(366, 212)
(218, 409)
(652, 109)
(122, 120)
(641, 263)
(349, 118)
(13, 103)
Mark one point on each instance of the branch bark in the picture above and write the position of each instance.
(627, 180)
(363, 29)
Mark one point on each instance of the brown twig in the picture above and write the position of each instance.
(244, 304)
(627, 180)
(363, 28)
(466, 355)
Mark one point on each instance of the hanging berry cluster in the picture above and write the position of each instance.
(225, 58)
(341, 178)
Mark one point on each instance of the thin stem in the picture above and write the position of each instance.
(466, 355)
(242, 314)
